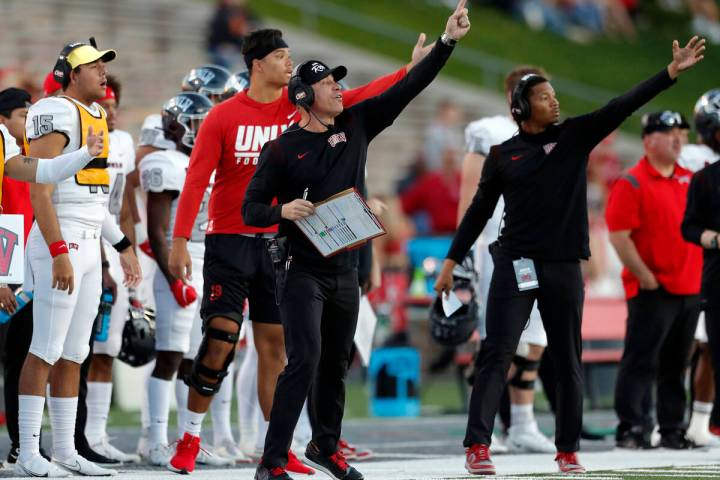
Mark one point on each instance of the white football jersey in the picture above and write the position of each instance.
(696, 157)
(151, 133)
(73, 202)
(121, 161)
(10, 147)
(165, 171)
(480, 136)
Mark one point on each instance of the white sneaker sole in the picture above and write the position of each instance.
(489, 470)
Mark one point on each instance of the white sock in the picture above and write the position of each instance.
(262, 433)
(63, 411)
(99, 395)
(700, 418)
(521, 415)
(30, 412)
(247, 395)
(145, 405)
(193, 423)
(159, 409)
(181, 399)
(220, 409)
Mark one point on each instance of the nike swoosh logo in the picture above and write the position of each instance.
(515, 157)
(302, 155)
(291, 115)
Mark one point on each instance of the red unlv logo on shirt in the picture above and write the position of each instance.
(337, 138)
(8, 242)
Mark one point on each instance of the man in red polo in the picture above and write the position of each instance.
(662, 282)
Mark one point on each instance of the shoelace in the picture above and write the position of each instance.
(338, 458)
(482, 451)
(277, 471)
(346, 446)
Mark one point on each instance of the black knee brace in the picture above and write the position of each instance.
(194, 379)
(523, 365)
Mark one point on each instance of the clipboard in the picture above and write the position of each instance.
(341, 222)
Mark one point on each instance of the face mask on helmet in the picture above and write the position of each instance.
(208, 80)
(182, 116)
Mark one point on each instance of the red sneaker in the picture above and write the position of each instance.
(568, 463)
(353, 452)
(296, 466)
(478, 460)
(186, 451)
(715, 429)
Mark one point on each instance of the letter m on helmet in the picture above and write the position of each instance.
(8, 242)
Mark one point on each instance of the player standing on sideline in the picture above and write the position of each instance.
(480, 135)
(325, 153)
(696, 158)
(541, 174)
(236, 263)
(121, 161)
(64, 249)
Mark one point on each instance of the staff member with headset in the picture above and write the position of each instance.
(324, 154)
(541, 173)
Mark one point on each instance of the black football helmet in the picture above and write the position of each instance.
(707, 118)
(457, 328)
(138, 337)
(209, 80)
(182, 116)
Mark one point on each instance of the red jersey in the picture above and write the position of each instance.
(229, 143)
(438, 196)
(652, 208)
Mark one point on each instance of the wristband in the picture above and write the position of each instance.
(105, 264)
(122, 244)
(58, 248)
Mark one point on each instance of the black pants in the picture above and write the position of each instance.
(560, 301)
(660, 330)
(17, 345)
(712, 325)
(319, 314)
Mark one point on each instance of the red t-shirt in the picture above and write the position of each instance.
(229, 142)
(16, 200)
(438, 196)
(652, 207)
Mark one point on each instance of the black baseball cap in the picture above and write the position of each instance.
(661, 122)
(313, 71)
(12, 98)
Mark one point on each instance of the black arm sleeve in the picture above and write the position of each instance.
(593, 127)
(380, 112)
(263, 188)
(695, 219)
(480, 210)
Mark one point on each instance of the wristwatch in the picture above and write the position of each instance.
(448, 40)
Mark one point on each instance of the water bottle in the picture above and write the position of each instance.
(22, 299)
(102, 321)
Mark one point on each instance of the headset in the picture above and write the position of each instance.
(299, 92)
(62, 69)
(519, 106)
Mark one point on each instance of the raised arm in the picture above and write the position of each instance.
(381, 111)
(595, 126)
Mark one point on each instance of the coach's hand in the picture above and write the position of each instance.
(179, 261)
(444, 281)
(95, 143)
(297, 209)
(458, 25)
(62, 272)
(686, 57)
(184, 294)
(420, 51)
(8, 303)
(131, 267)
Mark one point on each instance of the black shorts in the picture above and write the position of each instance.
(238, 268)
